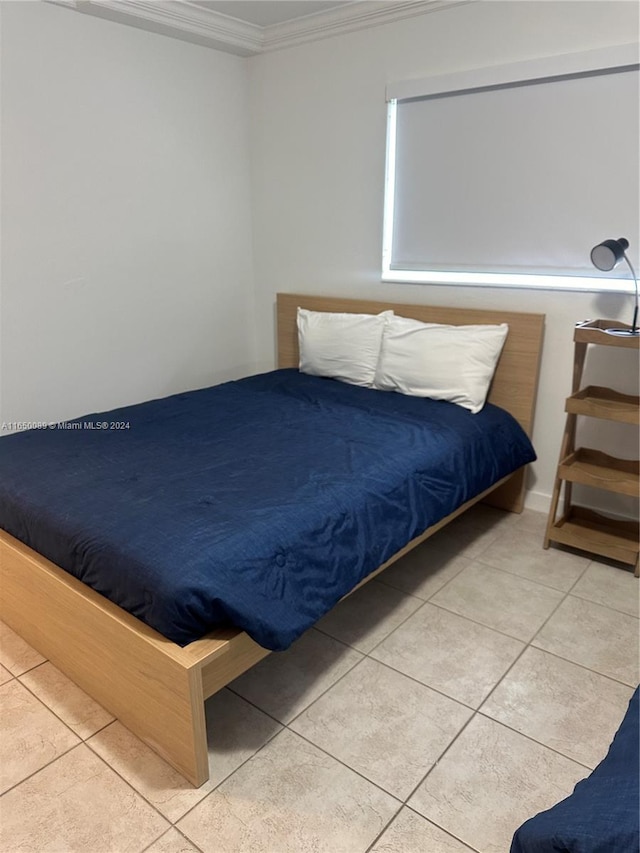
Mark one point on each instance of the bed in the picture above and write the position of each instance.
(156, 684)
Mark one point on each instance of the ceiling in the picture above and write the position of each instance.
(266, 13)
(249, 27)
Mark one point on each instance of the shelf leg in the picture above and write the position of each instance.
(552, 512)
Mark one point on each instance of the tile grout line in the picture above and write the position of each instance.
(530, 641)
(422, 817)
(581, 666)
(44, 767)
(342, 763)
(56, 714)
(446, 583)
(432, 768)
(600, 604)
(395, 628)
(534, 740)
(135, 791)
(166, 832)
(24, 672)
(427, 686)
(320, 695)
(236, 769)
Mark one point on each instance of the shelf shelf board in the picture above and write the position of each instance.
(590, 531)
(597, 332)
(597, 402)
(601, 471)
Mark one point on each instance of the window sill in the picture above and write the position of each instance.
(585, 284)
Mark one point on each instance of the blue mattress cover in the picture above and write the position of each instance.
(257, 503)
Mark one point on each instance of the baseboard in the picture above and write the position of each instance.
(537, 501)
(541, 502)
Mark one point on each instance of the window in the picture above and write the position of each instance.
(508, 176)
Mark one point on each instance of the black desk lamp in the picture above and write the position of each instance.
(605, 256)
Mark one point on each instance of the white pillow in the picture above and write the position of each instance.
(342, 346)
(454, 363)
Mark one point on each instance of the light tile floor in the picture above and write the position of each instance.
(468, 687)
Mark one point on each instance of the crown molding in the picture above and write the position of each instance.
(184, 20)
(357, 16)
(177, 19)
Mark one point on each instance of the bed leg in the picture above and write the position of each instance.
(179, 731)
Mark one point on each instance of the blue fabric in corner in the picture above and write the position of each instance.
(602, 815)
(257, 503)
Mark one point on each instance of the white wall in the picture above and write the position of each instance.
(318, 144)
(128, 206)
(126, 230)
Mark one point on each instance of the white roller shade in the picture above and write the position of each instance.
(515, 177)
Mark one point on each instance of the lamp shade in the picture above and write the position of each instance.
(607, 254)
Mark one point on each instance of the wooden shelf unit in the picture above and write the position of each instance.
(601, 535)
(596, 402)
(578, 526)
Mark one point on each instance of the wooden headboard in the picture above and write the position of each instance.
(515, 382)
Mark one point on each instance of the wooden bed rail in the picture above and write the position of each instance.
(154, 687)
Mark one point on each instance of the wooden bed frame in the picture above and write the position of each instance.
(156, 688)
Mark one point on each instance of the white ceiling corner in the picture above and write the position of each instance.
(267, 12)
(200, 22)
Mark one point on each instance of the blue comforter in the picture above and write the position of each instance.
(602, 815)
(257, 503)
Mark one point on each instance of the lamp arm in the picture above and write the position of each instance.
(634, 325)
